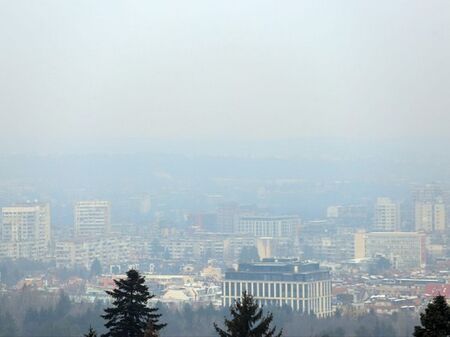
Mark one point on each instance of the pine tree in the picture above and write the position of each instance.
(248, 320)
(129, 315)
(435, 320)
(91, 333)
(150, 330)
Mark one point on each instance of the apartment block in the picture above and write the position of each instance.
(386, 215)
(268, 226)
(92, 218)
(26, 231)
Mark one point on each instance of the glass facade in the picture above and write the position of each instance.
(309, 293)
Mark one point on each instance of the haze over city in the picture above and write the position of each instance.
(88, 73)
(224, 168)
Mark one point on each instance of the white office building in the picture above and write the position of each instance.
(304, 286)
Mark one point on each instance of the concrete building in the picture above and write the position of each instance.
(201, 247)
(405, 250)
(92, 218)
(430, 216)
(268, 226)
(227, 215)
(304, 286)
(26, 231)
(386, 215)
(197, 247)
(348, 215)
(108, 250)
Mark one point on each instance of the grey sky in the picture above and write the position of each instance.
(94, 70)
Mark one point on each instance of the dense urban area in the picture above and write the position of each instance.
(366, 267)
(226, 168)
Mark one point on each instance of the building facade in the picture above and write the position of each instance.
(304, 286)
(26, 231)
(404, 250)
(92, 218)
(268, 226)
(386, 215)
(430, 216)
(108, 250)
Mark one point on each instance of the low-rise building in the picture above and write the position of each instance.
(107, 250)
(304, 286)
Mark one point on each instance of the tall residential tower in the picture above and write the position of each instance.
(92, 218)
(26, 231)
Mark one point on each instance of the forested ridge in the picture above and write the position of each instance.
(32, 313)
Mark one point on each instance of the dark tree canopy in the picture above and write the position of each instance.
(130, 315)
(435, 320)
(150, 330)
(91, 333)
(248, 320)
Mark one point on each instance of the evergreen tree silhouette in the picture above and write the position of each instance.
(129, 315)
(248, 320)
(435, 320)
(91, 333)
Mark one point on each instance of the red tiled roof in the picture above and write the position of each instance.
(436, 289)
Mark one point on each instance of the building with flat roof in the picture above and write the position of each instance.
(386, 215)
(25, 231)
(304, 286)
(405, 250)
(92, 218)
(430, 216)
(268, 226)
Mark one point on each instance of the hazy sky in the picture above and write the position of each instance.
(89, 70)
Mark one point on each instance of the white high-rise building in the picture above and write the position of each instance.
(26, 231)
(387, 215)
(92, 218)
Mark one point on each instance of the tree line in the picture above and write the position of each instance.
(129, 315)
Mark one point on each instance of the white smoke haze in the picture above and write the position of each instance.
(83, 74)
